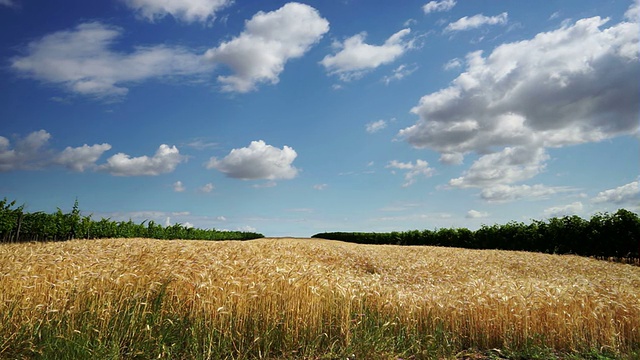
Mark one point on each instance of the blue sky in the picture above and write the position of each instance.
(297, 118)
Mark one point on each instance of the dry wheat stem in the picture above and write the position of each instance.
(307, 288)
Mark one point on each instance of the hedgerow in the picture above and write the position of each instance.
(605, 235)
(17, 225)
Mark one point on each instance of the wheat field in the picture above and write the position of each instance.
(303, 298)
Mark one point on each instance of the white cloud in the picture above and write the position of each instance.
(247, 228)
(81, 60)
(505, 193)
(356, 57)
(258, 161)
(375, 126)
(27, 154)
(512, 164)
(413, 171)
(452, 64)
(221, 218)
(570, 209)
(410, 23)
(399, 73)
(32, 153)
(474, 214)
(137, 216)
(185, 218)
(628, 193)
(185, 10)
(476, 21)
(33, 142)
(207, 188)
(320, 186)
(259, 53)
(438, 6)
(164, 161)
(573, 85)
(541, 90)
(452, 158)
(178, 186)
(81, 158)
(633, 13)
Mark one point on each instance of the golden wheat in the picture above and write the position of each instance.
(308, 288)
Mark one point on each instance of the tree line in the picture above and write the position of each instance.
(17, 225)
(605, 235)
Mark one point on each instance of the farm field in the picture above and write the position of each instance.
(312, 299)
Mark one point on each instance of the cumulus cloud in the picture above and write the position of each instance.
(355, 57)
(633, 13)
(628, 193)
(474, 214)
(81, 158)
(28, 153)
(513, 164)
(476, 21)
(165, 160)
(269, 40)
(438, 6)
(564, 210)
(568, 86)
(178, 186)
(82, 61)
(494, 173)
(375, 126)
(207, 188)
(184, 10)
(452, 158)
(413, 171)
(32, 153)
(320, 186)
(257, 161)
(33, 142)
(573, 85)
